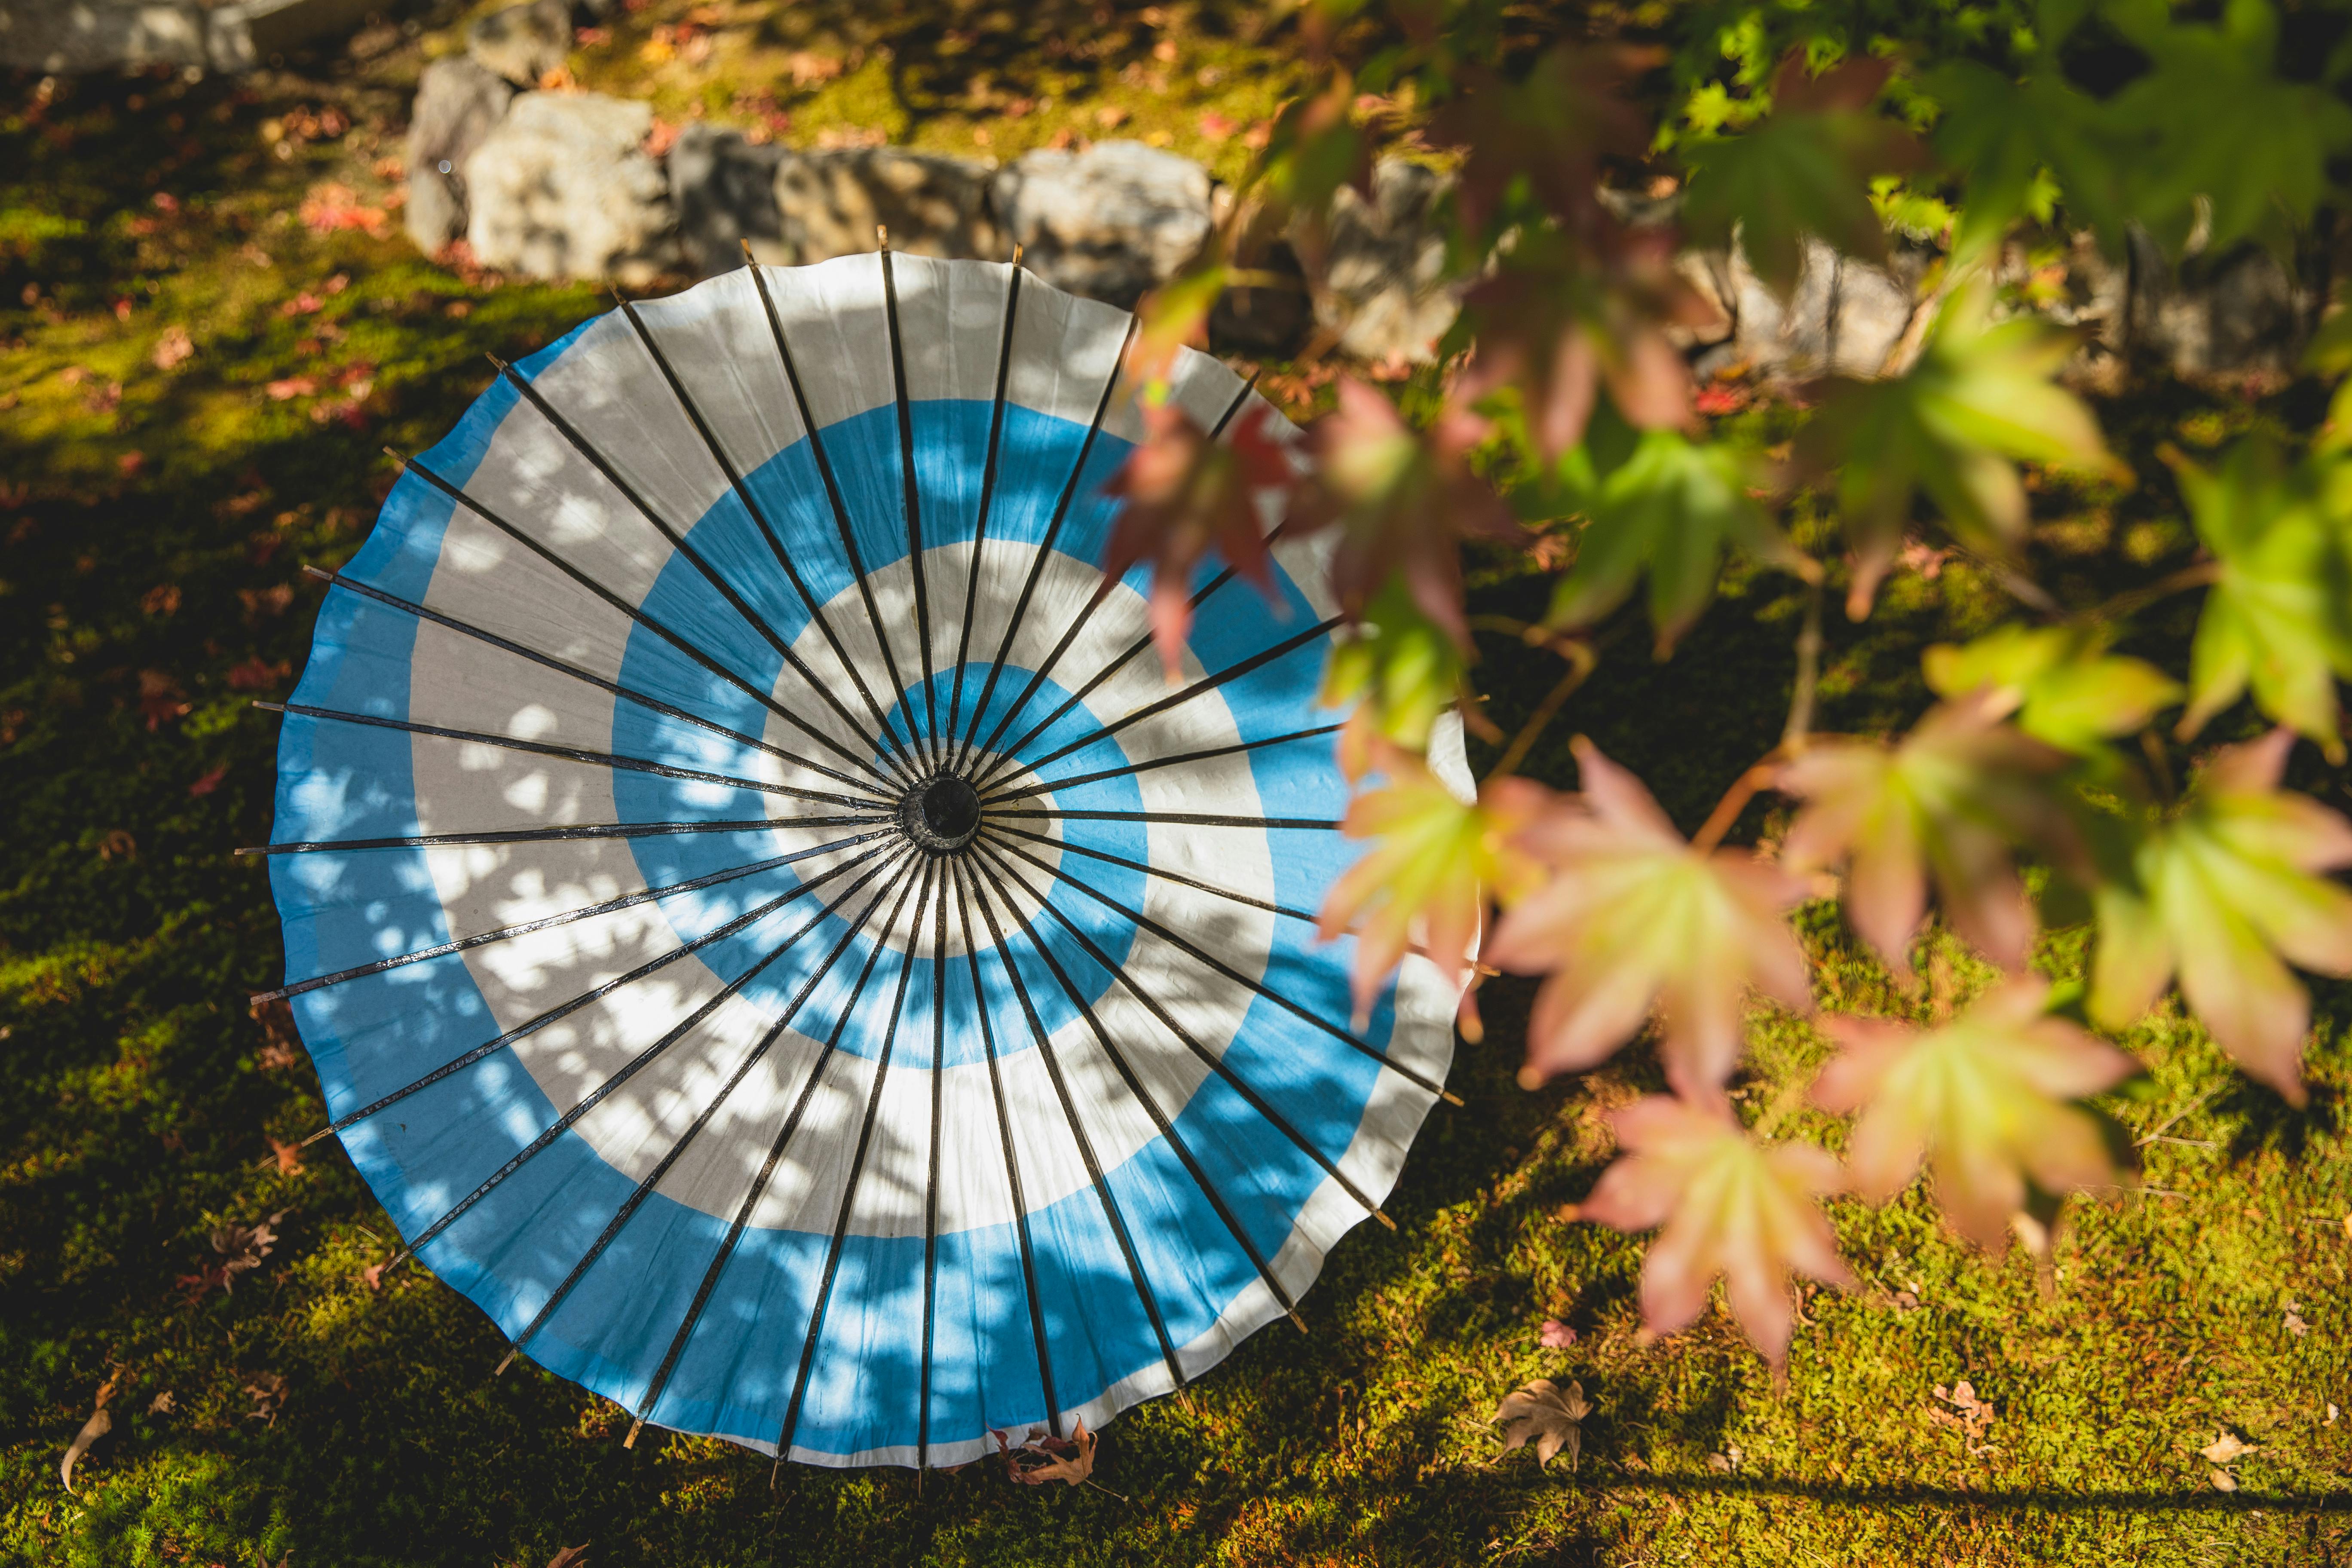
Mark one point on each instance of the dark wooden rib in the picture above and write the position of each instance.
(849, 1187)
(1220, 966)
(1215, 1062)
(987, 494)
(629, 694)
(760, 519)
(1047, 787)
(629, 1070)
(764, 698)
(1077, 622)
(1044, 551)
(1135, 1086)
(563, 753)
(833, 497)
(1002, 767)
(1012, 1164)
(693, 557)
(605, 988)
(524, 928)
(1086, 1144)
(676, 1151)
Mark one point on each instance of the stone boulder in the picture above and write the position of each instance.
(723, 190)
(1111, 221)
(2234, 313)
(564, 188)
(827, 203)
(1845, 317)
(799, 207)
(1385, 296)
(522, 43)
(458, 103)
(74, 35)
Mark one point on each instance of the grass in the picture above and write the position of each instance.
(149, 548)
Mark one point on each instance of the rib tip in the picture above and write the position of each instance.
(320, 573)
(1297, 1322)
(1448, 1095)
(503, 366)
(631, 1440)
(507, 1362)
(269, 706)
(882, 236)
(1016, 253)
(251, 849)
(1384, 1219)
(397, 458)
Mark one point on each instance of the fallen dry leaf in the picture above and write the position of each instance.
(2227, 1449)
(268, 1391)
(1556, 1336)
(162, 1405)
(2224, 1482)
(1972, 1415)
(1069, 1460)
(289, 1155)
(98, 1425)
(1546, 1414)
(569, 1557)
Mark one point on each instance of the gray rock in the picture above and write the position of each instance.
(45, 36)
(522, 43)
(458, 103)
(564, 188)
(723, 190)
(1111, 221)
(1385, 295)
(828, 204)
(75, 36)
(1845, 317)
(2238, 313)
(799, 207)
(1275, 318)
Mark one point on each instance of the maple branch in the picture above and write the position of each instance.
(1809, 673)
(1793, 735)
(1581, 659)
(2201, 574)
(1735, 799)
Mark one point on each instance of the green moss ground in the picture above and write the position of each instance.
(143, 605)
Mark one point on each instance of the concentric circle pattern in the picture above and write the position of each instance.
(770, 930)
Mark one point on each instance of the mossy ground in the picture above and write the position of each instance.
(155, 518)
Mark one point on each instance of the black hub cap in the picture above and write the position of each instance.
(940, 814)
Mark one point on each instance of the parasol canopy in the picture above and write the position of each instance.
(769, 932)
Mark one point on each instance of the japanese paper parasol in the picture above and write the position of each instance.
(769, 930)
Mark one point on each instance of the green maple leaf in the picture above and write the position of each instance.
(2278, 615)
(2227, 893)
(1984, 1101)
(1979, 399)
(2065, 690)
(1400, 669)
(1731, 1207)
(1671, 509)
(1435, 860)
(1633, 920)
(1803, 169)
(2220, 129)
(2003, 136)
(1943, 804)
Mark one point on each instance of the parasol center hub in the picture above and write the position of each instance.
(940, 814)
